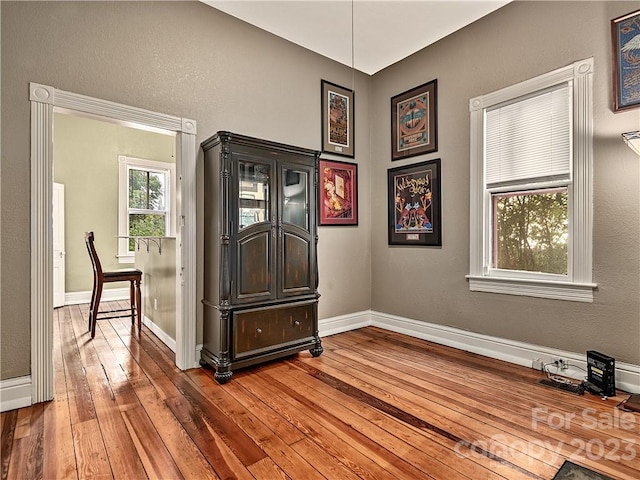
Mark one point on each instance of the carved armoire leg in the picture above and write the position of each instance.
(223, 377)
(317, 350)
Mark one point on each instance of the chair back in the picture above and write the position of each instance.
(95, 261)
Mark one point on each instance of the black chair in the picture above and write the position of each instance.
(131, 275)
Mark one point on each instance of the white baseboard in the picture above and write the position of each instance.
(519, 353)
(108, 295)
(158, 332)
(15, 393)
(344, 323)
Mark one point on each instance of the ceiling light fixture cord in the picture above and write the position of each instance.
(353, 67)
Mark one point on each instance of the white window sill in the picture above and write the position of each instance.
(574, 292)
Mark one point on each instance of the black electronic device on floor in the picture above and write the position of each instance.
(601, 374)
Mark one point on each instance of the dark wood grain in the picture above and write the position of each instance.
(106, 380)
(297, 259)
(59, 460)
(225, 464)
(346, 445)
(188, 458)
(509, 403)
(9, 420)
(273, 446)
(253, 267)
(157, 460)
(28, 449)
(376, 406)
(236, 438)
(342, 423)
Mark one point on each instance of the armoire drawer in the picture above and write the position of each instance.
(260, 330)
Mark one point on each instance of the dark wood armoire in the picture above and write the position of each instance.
(260, 264)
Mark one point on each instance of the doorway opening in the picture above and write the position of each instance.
(44, 101)
(119, 182)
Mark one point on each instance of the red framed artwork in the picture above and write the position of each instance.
(338, 196)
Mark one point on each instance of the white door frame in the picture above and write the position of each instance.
(43, 100)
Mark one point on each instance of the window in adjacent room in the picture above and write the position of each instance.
(531, 175)
(145, 198)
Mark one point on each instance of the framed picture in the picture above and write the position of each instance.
(625, 33)
(338, 199)
(414, 123)
(414, 204)
(337, 119)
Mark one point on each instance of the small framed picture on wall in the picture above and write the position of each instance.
(338, 196)
(337, 119)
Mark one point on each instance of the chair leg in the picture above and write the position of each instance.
(139, 305)
(94, 311)
(132, 301)
(93, 299)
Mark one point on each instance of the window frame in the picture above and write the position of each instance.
(124, 164)
(577, 285)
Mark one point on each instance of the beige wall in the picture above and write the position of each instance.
(520, 41)
(85, 160)
(179, 58)
(159, 283)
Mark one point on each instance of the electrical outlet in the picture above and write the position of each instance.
(537, 364)
(155, 303)
(561, 363)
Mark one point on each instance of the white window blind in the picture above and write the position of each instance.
(529, 138)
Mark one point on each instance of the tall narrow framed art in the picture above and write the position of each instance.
(337, 119)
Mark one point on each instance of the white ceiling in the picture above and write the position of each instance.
(384, 31)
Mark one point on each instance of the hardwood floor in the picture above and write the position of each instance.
(376, 405)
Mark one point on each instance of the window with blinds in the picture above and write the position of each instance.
(529, 139)
(527, 159)
(531, 192)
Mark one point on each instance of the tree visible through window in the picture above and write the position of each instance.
(145, 202)
(147, 213)
(531, 231)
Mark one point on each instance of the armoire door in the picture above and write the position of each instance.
(296, 217)
(255, 229)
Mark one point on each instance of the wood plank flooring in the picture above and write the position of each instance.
(375, 405)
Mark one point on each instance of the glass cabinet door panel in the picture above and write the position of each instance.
(253, 188)
(295, 202)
